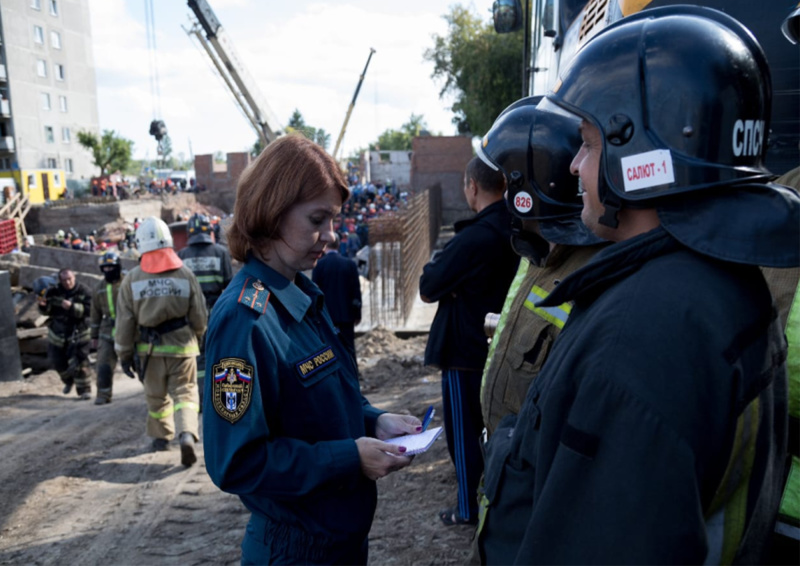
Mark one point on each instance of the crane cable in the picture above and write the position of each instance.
(152, 51)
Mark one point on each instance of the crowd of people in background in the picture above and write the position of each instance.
(367, 201)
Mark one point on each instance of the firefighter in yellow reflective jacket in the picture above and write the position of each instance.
(161, 314)
(102, 320)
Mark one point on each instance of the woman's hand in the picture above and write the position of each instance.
(378, 458)
(390, 425)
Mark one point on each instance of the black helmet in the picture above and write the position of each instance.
(534, 148)
(109, 259)
(199, 229)
(110, 266)
(682, 96)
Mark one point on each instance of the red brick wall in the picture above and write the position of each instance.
(441, 160)
(220, 183)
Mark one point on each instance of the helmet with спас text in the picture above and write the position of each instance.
(682, 96)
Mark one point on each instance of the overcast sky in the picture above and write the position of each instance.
(303, 54)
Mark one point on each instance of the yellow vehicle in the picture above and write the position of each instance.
(39, 185)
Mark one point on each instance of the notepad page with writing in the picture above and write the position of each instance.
(417, 443)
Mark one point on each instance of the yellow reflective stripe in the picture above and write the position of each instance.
(110, 298)
(790, 502)
(143, 348)
(166, 413)
(793, 357)
(209, 278)
(178, 406)
(187, 405)
(516, 283)
(736, 481)
(556, 316)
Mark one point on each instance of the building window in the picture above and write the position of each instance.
(62, 103)
(38, 34)
(53, 7)
(65, 137)
(49, 136)
(31, 181)
(56, 176)
(45, 101)
(52, 164)
(59, 71)
(55, 39)
(41, 67)
(5, 163)
(36, 4)
(68, 165)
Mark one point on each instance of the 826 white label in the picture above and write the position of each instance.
(523, 202)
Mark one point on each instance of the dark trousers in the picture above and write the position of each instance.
(262, 545)
(463, 423)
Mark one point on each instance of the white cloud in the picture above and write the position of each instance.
(302, 55)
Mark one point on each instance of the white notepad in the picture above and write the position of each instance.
(417, 443)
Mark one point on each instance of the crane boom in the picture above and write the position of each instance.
(235, 75)
(352, 104)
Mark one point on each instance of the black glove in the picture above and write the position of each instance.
(127, 368)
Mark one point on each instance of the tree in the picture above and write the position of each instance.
(479, 67)
(166, 150)
(110, 152)
(400, 139)
(298, 124)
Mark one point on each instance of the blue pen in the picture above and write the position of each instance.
(426, 420)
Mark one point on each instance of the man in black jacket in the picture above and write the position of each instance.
(469, 278)
(337, 277)
(67, 304)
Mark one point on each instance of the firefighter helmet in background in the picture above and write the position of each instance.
(534, 148)
(682, 95)
(153, 234)
(111, 266)
(199, 229)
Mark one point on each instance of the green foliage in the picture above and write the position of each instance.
(298, 124)
(400, 139)
(480, 68)
(110, 152)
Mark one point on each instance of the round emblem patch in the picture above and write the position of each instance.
(233, 385)
(258, 285)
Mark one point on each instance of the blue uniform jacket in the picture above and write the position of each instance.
(282, 410)
(656, 430)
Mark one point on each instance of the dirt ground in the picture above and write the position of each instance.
(81, 486)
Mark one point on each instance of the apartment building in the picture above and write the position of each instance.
(47, 86)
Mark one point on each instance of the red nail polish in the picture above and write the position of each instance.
(419, 428)
(402, 449)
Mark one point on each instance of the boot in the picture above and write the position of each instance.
(103, 396)
(188, 456)
(160, 444)
(67, 388)
(84, 393)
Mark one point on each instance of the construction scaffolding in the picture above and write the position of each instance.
(400, 246)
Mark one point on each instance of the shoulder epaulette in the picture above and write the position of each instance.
(254, 295)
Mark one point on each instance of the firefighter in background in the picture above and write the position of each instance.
(211, 264)
(533, 148)
(67, 305)
(103, 318)
(161, 315)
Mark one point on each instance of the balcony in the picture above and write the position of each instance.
(3, 76)
(6, 144)
(5, 108)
